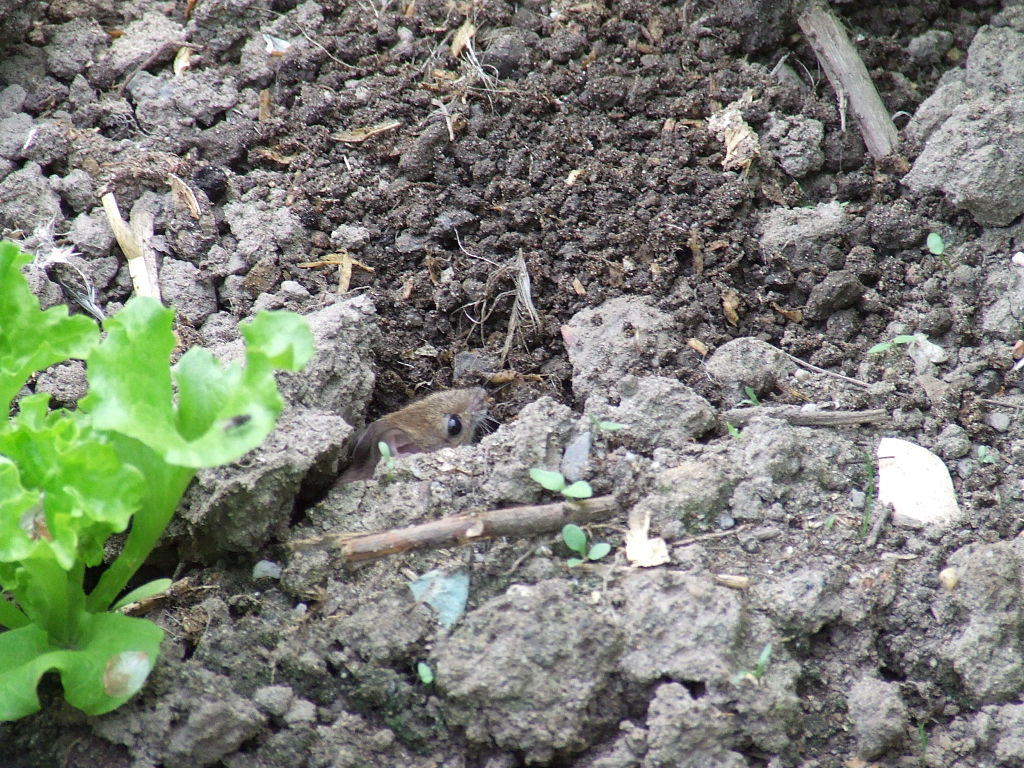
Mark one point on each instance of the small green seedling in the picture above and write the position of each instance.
(426, 674)
(734, 433)
(751, 398)
(388, 458)
(554, 481)
(576, 539)
(885, 346)
(597, 425)
(754, 675)
(937, 246)
(987, 456)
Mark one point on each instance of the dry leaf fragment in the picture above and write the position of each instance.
(273, 155)
(793, 315)
(741, 142)
(698, 346)
(578, 287)
(733, 581)
(503, 377)
(275, 45)
(407, 287)
(359, 135)
(641, 550)
(182, 60)
(462, 36)
(265, 104)
(184, 194)
(730, 303)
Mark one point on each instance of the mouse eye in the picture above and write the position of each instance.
(454, 425)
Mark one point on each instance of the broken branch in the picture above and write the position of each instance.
(849, 77)
(461, 529)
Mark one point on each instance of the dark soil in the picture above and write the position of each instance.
(574, 137)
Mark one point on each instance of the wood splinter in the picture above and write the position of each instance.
(462, 529)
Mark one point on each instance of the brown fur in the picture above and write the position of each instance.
(420, 427)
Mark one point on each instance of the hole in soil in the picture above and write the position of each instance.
(890, 675)
(697, 688)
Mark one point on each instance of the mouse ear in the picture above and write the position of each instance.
(399, 442)
(366, 454)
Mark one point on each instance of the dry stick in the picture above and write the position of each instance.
(461, 529)
(1001, 404)
(849, 77)
(816, 369)
(798, 417)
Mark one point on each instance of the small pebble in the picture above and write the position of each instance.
(949, 578)
(265, 569)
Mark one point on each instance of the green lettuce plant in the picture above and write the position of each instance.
(71, 479)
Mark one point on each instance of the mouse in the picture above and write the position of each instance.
(441, 420)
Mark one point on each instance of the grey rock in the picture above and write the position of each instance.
(212, 730)
(748, 362)
(879, 716)
(952, 442)
(999, 420)
(26, 200)
(796, 233)
(608, 341)
(350, 236)
(238, 507)
(65, 382)
(976, 156)
(77, 190)
(656, 411)
(184, 287)
(684, 732)
(576, 458)
(14, 131)
(73, 46)
(135, 46)
(274, 699)
(530, 670)
(694, 492)
(839, 290)
(339, 377)
(679, 626)
(929, 47)
(795, 143)
(803, 602)
(986, 651)
(91, 235)
(1006, 729)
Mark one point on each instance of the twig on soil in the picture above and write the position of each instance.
(816, 369)
(1001, 404)
(884, 513)
(798, 417)
(461, 529)
(708, 536)
(849, 77)
(305, 34)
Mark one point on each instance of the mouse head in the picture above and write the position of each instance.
(441, 420)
